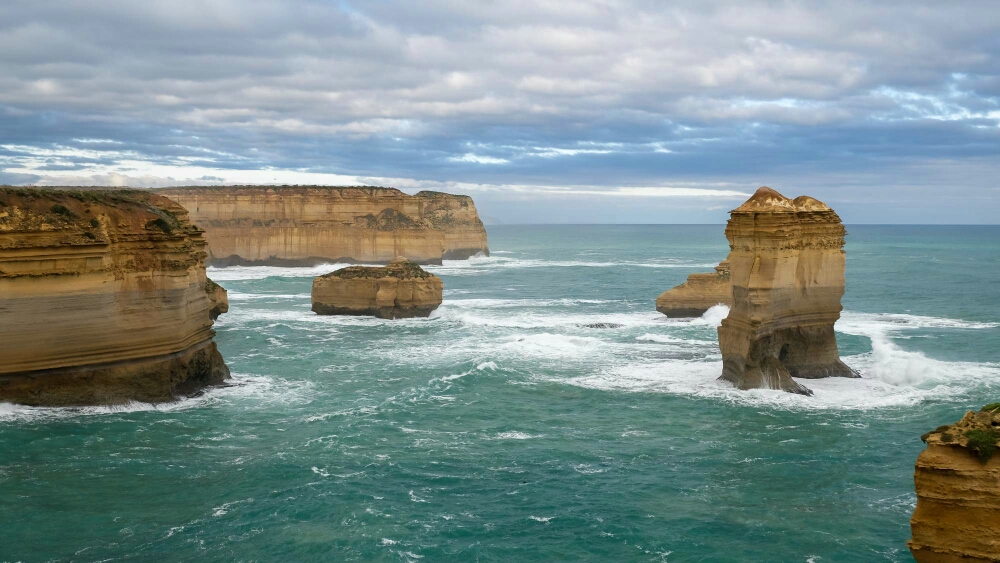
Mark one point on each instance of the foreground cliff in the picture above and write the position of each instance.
(957, 518)
(400, 290)
(307, 225)
(698, 294)
(786, 266)
(102, 299)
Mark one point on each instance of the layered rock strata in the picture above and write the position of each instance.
(957, 517)
(293, 225)
(219, 298)
(401, 289)
(698, 294)
(786, 266)
(102, 299)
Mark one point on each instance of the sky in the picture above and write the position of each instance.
(544, 111)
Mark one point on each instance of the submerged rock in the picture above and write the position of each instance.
(102, 299)
(401, 289)
(786, 265)
(698, 294)
(957, 479)
(603, 325)
(308, 225)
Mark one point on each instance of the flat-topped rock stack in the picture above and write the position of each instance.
(957, 478)
(102, 299)
(698, 294)
(786, 267)
(309, 225)
(401, 289)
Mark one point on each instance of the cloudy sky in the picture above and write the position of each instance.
(542, 110)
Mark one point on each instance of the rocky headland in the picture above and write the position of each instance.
(957, 518)
(401, 289)
(102, 299)
(698, 294)
(786, 265)
(308, 225)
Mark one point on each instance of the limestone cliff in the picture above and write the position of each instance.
(307, 225)
(219, 298)
(786, 264)
(957, 518)
(401, 289)
(102, 299)
(698, 294)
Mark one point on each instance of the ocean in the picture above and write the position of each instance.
(503, 428)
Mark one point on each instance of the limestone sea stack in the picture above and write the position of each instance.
(786, 267)
(219, 298)
(309, 225)
(401, 289)
(102, 299)
(957, 518)
(698, 294)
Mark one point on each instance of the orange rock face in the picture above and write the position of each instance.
(292, 225)
(786, 266)
(102, 299)
(698, 294)
(401, 289)
(957, 518)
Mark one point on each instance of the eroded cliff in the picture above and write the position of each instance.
(307, 225)
(698, 294)
(786, 265)
(401, 289)
(957, 518)
(102, 299)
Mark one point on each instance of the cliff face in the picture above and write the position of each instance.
(219, 298)
(102, 299)
(958, 492)
(401, 289)
(291, 225)
(786, 265)
(698, 294)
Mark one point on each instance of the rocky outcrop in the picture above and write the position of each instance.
(698, 294)
(786, 266)
(401, 289)
(308, 225)
(958, 492)
(102, 299)
(219, 298)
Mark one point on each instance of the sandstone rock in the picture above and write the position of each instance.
(401, 289)
(219, 298)
(698, 294)
(308, 225)
(957, 518)
(786, 265)
(102, 299)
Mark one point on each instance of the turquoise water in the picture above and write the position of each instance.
(502, 429)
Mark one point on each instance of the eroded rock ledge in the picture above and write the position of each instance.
(308, 225)
(786, 266)
(401, 289)
(102, 299)
(958, 492)
(698, 294)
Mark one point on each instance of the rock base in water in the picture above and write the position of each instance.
(957, 478)
(400, 290)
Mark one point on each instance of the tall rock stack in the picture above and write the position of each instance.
(786, 265)
(957, 518)
(102, 299)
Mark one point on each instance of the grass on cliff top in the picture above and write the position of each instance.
(992, 407)
(983, 443)
(404, 271)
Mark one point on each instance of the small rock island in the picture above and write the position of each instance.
(786, 265)
(698, 294)
(958, 492)
(400, 290)
(103, 299)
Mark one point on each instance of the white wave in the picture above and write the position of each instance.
(866, 324)
(236, 296)
(549, 345)
(483, 264)
(714, 315)
(514, 435)
(239, 273)
(667, 339)
(532, 318)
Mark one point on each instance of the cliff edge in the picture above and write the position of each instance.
(102, 299)
(401, 289)
(957, 479)
(786, 265)
(308, 225)
(698, 294)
